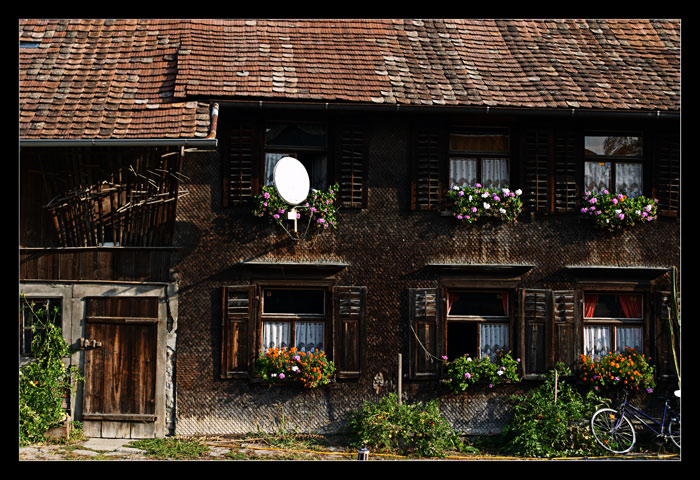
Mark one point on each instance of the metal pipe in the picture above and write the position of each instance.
(214, 120)
(117, 142)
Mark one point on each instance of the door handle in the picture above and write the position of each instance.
(87, 344)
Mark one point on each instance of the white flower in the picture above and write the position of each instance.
(518, 192)
(486, 206)
(455, 187)
(505, 190)
(500, 372)
(470, 198)
(485, 195)
(618, 211)
(273, 375)
(295, 368)
(502, 210)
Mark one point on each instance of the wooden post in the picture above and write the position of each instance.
(556, 385)
(400, 375)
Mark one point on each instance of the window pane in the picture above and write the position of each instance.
(41, 308)
(463, 172)
(276, 335)
(624, 306)
(493, 339)
(309, 336)
(628, 179)
(479, 142)
(483, 304)
(310, 135)
(596, 176)
(629, 337)
(271, 160)
(293, 301)
(596, 341)
(494, 172)
(613, 146)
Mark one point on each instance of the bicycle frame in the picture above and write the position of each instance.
(648, 421)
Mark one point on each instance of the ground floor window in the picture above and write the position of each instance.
(34, 312)
(612, 322)
(478, 323)
(294, 317)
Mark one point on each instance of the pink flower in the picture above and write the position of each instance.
(275, 216)
(266, 195)
(320, 220)
(460, 193)
(281, 375)
(467, 375)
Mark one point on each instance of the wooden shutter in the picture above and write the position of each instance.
(537, 154)
(667, 174)
(566, 326)
(238, 307)
(427, 156)
(535, 314)
(567, 146)
(240, 165)
(663, 352)
(349, 327)
(351, 166)
(424, 332)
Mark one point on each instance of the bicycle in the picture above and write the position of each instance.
(614, 431)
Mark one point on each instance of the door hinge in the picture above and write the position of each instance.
(86, 344)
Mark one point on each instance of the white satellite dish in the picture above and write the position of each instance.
(291, 180)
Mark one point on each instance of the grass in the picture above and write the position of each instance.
(171, 448)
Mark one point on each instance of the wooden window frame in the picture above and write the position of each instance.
(480, 156)
(23, 317)
(615, 323)
(615, 160)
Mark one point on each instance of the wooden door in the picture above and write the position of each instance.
(120, 367)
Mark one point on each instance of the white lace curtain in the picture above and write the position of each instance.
(308, 335)
(494, 172)
(494, 337)
(598, 339)
(628, 177)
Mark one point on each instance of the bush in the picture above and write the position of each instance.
(45, 381)
(542, 428)
(407, 429)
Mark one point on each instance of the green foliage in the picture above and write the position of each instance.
(629, 370)
(45, 381)
(408, 429)
(613, 211)
(171, 448)
(464, 371)
(541, 427)
(318, 212)
(470, 203)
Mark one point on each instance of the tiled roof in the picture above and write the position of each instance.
(131, 78)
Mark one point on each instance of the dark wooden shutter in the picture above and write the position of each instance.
(238, 306)
(537, 154)
(427, 156)
(240, 164)
(424, 332)
(567, 146)
(566, 326)
(662, 355)
(351, 166)
(667, 177)
(534, 326)
(349, 327)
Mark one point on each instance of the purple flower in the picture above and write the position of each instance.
(275, 216)
(614, 201)
(584, 210)
(605, 191)
(312, 209)
(478, 185)
(592, 200)
(320, 220)
(444, 357)
(460, 193)
(496, 198)
(649, 390)
(473, 209)
(281, 210)
(264, 204)
(460, 216)
(490, 385)
(281, 375)
(296, 357)
(467, 375)
(621, 216)
(266, 195)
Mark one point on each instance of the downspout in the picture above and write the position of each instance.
(214, 121)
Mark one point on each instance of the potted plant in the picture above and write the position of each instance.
(290, 365)
(465, 371)
(628, 369)
(613, 211)
(472, 202)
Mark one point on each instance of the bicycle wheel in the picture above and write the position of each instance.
(674, 431)
(613, 433)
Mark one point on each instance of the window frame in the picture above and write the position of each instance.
(479, 155)
(613, 323)
(292, 318)
(479, 320)
(614, 160)
(25, 350)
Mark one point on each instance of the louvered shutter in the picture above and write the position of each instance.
(535, 314)
(537, 154)
(349, 327)
(351, 166)
(566, 326)
(240, 165)
(426, 183)
(424, 332)
(238, 307)
(566, 154)
(667, 177)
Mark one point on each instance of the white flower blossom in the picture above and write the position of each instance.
(486, 206)
(502, 210)
(518, 192)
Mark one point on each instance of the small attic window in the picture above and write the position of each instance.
(28, 44)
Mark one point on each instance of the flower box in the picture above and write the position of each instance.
(278, 366)
(614, 211)
(470, 203)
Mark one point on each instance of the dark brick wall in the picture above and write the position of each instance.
(387, 247)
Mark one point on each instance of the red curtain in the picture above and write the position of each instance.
(589, 302)
(505, 303)
(631, 305)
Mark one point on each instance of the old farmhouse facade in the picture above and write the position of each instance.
(145, 146)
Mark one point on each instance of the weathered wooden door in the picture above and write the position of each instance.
(120, 345)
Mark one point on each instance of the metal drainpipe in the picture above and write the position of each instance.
(214, 120)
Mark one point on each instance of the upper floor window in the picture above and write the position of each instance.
(479, 156)
(613, 163)
(305, 141)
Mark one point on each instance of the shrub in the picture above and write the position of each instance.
(464, 371)
(628, 369)
(408, 429)
(541, 427)
(45, 381)
(280, 365)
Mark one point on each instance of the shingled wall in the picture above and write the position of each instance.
(387, 247)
